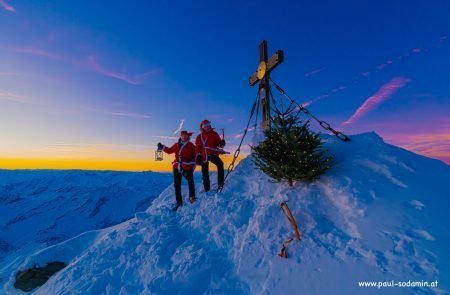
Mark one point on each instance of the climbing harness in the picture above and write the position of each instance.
(287, 212)
(302, 109)
(238, 150)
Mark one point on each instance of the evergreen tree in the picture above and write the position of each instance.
(291, 151)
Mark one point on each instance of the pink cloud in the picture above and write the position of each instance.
(7, 6)
(12, 97)
(431, 144)
(306, 104)
(6, 95)
(90, 64)
(383, 94)
(428, 134)
(42, 53)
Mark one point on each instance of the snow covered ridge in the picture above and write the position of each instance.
(379, 214)
(39, 208)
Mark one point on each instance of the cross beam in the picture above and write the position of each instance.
(262, 76)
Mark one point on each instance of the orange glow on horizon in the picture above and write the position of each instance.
(90, 164)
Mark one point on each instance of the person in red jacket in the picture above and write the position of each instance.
(209, 146)
(183, 165)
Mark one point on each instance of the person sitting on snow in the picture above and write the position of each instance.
(209, 146)
(183, 165)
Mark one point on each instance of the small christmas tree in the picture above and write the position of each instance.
(291, 151)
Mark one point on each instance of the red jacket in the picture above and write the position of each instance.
(184, 154)
(208, 143)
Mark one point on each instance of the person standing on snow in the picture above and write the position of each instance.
(183, 165)
(209, 146)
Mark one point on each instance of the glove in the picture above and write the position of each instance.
(160, 146)
(199, 160)
(222, 143)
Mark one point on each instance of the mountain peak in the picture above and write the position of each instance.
(378, 215)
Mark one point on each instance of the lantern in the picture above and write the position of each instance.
(158, 155)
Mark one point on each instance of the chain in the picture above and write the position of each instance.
(257, 113)
(238, 150)
(302, 109)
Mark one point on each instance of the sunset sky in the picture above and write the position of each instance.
(97, 84)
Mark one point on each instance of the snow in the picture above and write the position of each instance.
(359, 222)
(41, 208)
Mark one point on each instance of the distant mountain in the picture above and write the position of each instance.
(39, 208)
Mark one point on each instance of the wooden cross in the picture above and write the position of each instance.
(262, 75)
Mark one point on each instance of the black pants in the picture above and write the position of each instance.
(205, 171)
(177, 176)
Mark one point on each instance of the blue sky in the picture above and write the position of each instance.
(117, 75)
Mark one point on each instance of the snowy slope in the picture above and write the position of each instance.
(39, 208)
(378, 215)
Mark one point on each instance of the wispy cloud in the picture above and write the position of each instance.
(39, 76)
(383, 94)
(7, 6)
(380, 66)
(43, 53)
(13, 97)
(434, 144)
(410, 53)
(6, 95)
(8, 74)
(93, 150)
(91, 63)
(9, 96)
(180, 127)
(127, 114)
(313, 72)
(95, 66)
(166, 137)
(239, 135)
